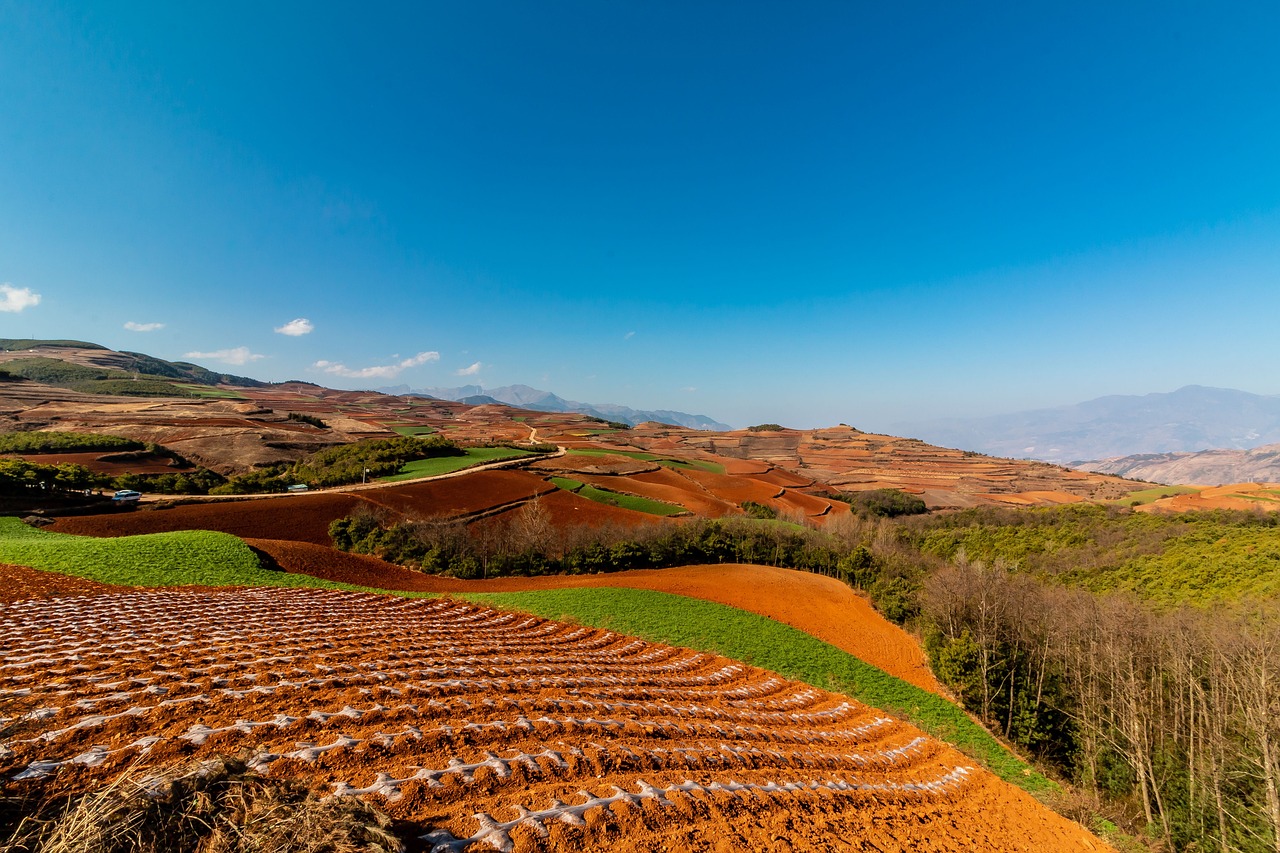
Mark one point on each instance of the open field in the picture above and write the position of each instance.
(614, 498)
(488, 730)
(447, 464)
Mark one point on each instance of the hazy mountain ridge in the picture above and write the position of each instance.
(527, 397)
(1193, 418)
(1202, 468)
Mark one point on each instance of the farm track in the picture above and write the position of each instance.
(487, 730)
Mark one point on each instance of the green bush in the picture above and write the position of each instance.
(886, 503)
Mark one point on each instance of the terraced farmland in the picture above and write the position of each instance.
(485, 729)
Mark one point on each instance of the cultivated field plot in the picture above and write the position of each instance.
(484, 729)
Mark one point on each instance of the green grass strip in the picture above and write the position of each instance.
(208, 391)
(449, 464)
(410, 431)
(604, 496)
(759, 641)
(185, 558)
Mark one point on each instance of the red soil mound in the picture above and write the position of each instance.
(743, 466)
(20, 583)
(800, 502)
(319, 561)
(142, 464)
(734, 489)
(567, 509)
(666, 485)
(304, 518)
(460, 496)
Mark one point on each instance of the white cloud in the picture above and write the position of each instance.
(470, 370)
(296, 328)
(238, 355)
(628, 336)
(384, 371)
(143, 327)
(15, 299)
(688, 389)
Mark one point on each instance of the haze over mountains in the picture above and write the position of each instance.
(1191, 419)
(526, 397)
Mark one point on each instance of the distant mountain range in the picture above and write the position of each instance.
(1203, 468)
(1190, 419)
(525, 397)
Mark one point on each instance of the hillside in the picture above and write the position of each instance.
(1190, 419)
(1205, 467)
(233, 427)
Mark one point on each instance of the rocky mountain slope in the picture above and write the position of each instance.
(1205, 468)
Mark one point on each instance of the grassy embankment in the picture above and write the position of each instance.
(605, 496)
(448, 464)
(185, 558)
(733, 633)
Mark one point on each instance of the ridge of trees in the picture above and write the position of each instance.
(342, 464)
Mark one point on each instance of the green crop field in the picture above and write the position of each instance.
(1146, 496)
(605, 496)
(759, 641)
(448, 464)
(193, 557)
(411, 431)
(207, 391)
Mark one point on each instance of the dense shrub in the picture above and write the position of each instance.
(344, 464)
(70, 442)
(887, 503)
(307, 419)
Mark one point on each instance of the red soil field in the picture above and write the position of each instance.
(149, 464)
(19, 583)
(779, 477)
(304, 518)
(456, 496)
(800, 502)
(666, 485)
(743, 466)
(567, 509)
(487, 730)
(734, 489)
(821, 606)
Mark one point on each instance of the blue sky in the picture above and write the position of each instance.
(807, 213)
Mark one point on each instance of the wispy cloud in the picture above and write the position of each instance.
(143, 327)
(296, 328)
(628, 336)
(382, 371)
(470, 370)
(15, 299)
(237, 355)
(688, 389)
